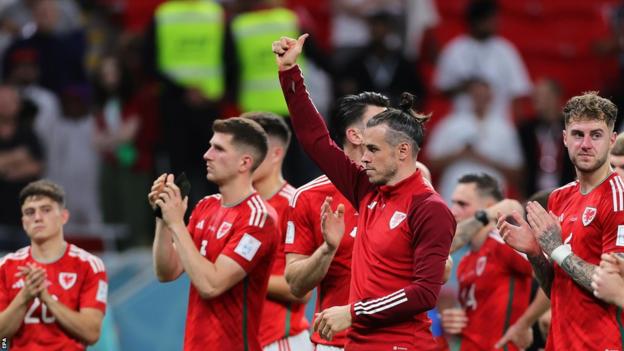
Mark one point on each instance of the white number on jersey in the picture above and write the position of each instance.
(31, 319)
(202, 249)
(468, 297)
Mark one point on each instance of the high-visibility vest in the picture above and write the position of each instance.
(254, 32)
(190, 37)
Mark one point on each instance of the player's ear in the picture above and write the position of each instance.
(64, 215)
(565, 138)
(405, 151)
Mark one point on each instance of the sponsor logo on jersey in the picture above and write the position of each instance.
(290, 233)
(200, 225)
(67, 280)
(588, 215)
(18, 284)
(396, 219)
(620, 236)
(247, 247)
(353, 232)
(223, 229)
(480, 265)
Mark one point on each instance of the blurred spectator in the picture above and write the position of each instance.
(125, 137)
(547, 163)
(190, 49)
(349, 28)
(22, 15)
(481, 53)
(71, 158)
(20, 163)
(24, 75)
(381, 66)
(421, 16)
(61, 53)
(474, 141)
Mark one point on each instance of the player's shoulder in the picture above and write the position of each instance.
(17, 256)
(256, 212)
(564, 190)
(84, 257)
(319, 187)
(208, 200)
(287, 192)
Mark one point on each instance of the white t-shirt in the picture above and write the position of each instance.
(493, 137)
(494, 60)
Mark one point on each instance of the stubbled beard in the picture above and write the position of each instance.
(591, 168)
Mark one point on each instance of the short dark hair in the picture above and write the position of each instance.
(245, 132)
(350, 110)
(404, 124)
(618, 147)
(272, 124)
(479, 10)
(541, 197)
(590, 106)
(487, 186)
(45, 188)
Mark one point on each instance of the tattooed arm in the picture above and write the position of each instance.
(579, 270)
(544, 272)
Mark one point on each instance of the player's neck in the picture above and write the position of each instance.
(404, 171)
(270, 185)
(590, 180)
(236, 190)
(48, 251)
(479, 238)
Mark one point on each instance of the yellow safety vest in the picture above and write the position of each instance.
(190, 37)
(254, 32)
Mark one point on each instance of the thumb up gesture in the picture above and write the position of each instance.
(287, 50)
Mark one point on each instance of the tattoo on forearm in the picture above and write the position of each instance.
(579, 270)
(464, 233)
(544, 272)
(550, 240)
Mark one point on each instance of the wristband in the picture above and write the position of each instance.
(560, 253)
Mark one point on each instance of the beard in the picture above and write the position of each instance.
(383, 178)
(589, 168)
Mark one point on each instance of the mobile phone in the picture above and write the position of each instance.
(183, 183)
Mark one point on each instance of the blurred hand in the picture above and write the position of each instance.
(518, 334)
(171, 204)
(454, 320)
(332, 223)
(608, 283)
(520, 237)
(544, 324)
(504, 207)
(332, 320)
(287, 50)
(157, 188)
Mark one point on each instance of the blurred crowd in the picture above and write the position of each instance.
(103, 95)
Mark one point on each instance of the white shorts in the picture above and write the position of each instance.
(320, 347)
(299, 342)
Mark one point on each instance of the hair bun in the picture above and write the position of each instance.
(407, 102)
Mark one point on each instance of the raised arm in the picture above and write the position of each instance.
(310, 127)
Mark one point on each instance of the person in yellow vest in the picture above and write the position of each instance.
(189, 49)
(254, 27)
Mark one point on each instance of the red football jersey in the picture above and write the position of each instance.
(281, 319)
(592, 224)
(78, 280)
(304, 236)
(246, 233)
(495, 288)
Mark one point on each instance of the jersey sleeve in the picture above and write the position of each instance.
(612, 226)
(300, 235)
(94, 290)
(313, 135)
(250, 244)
